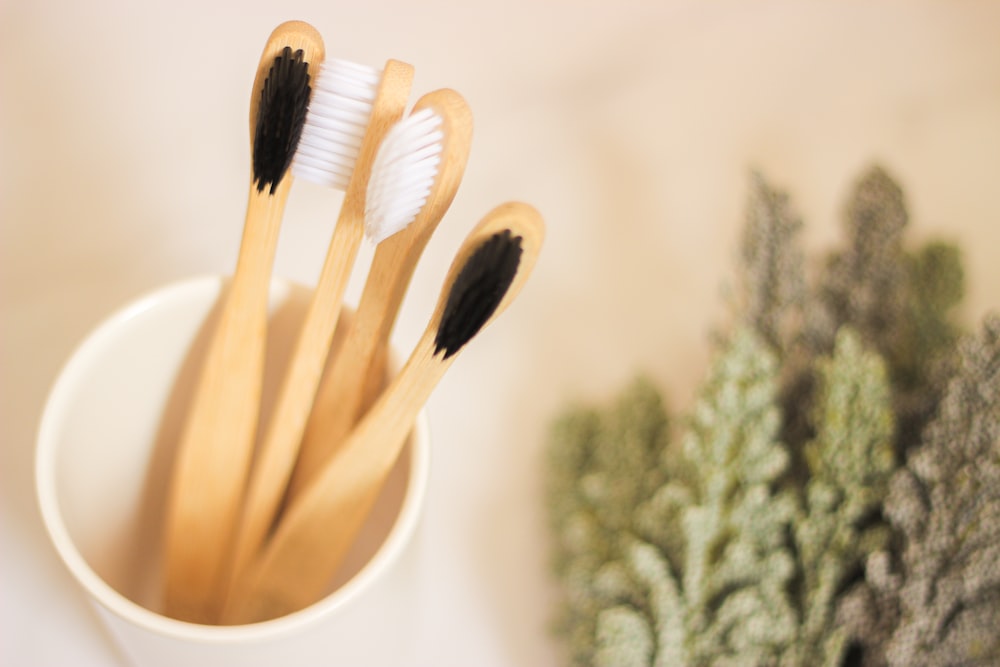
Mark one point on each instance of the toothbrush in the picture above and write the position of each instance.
(216, 445)
(269, 476)
(310, 540)
(415, 177)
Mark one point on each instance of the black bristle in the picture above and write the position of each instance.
(477, 291)
(284, 99)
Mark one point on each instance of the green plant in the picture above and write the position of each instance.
(935, 598)
(782, 527)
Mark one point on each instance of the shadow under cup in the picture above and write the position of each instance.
(105, 447)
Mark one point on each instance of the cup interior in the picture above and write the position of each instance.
(107, 439)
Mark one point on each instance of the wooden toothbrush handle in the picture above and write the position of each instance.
(317, 529)
(358, 371)
(216, 445)
(269, 476)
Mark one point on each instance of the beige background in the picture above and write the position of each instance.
(631, 126)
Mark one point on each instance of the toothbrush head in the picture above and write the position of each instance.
(477, 291)
(279, 99)
(403, 174)
(281, 112)
(487, 274)
(335, 125)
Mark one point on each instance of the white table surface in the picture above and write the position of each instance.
(630, 125)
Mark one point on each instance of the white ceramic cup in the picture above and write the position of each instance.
(104, 449)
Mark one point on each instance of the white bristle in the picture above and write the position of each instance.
(403, 173)
(339, 110)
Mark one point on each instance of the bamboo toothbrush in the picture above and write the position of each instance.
(276, 457)
(216, 444)
(417, 172)
(317, 528)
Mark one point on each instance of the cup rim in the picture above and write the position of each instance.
(104, 594)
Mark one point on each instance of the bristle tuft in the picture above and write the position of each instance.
(338, 116)
(284, 98)
(403, 174)
(478, 290)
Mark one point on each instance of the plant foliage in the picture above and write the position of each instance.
(834, 495)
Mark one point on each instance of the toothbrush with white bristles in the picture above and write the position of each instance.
(310, 540)
(215, 449)
(339, 112)
(417, 172)
(406, 168)
(338, 144)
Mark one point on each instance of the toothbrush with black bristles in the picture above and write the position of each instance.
(343, 130)
(217, 441)
(311, 538)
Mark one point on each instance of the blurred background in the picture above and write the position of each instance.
(631, 125)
